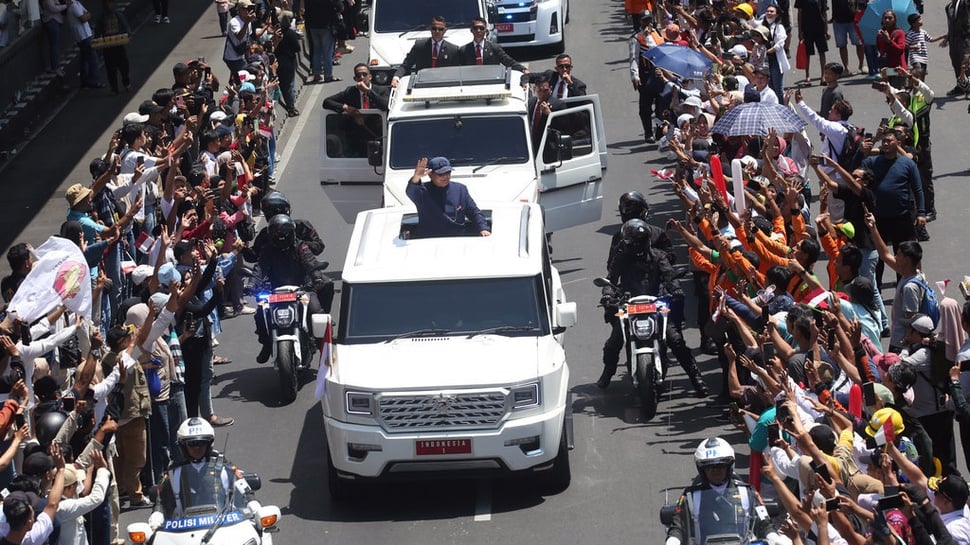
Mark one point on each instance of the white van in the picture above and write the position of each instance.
(448, 356)
(477, 117)
(531, 23)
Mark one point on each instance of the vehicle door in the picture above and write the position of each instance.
(572, 161)
(344, 144)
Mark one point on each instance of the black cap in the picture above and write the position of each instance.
(149, 107)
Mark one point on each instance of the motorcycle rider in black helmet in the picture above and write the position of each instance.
(637, 267)
(285, 260)
(276, 203)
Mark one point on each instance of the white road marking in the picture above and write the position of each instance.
(294, 137)
(483, 503)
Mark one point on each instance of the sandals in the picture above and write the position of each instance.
(331, 79)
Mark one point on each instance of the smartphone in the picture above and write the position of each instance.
(878, 85)
(140, 160)
(67, 403)
(189, 318)
(884, 122)
(774, 433)
(768, 351)
(892, 72)
(830, 339)
(832, 504)
(890, 490)
(20, 419)
(890, 502)
(180, 101)
(869, 393)
(781, 411)
(823, 471)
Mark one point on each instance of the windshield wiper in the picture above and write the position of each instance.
(428, 332)
(463, 160)
(501, 329)
(413, 29)
(496, 161)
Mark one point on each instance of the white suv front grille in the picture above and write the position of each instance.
(444, 411)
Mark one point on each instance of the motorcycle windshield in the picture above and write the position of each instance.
(720, 519)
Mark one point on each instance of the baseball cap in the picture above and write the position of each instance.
(167, 274)
(740, 51)
(693, 100)
(439, 165)
(134, 117)
(921, 323)
(846, 228)
(218, 115)
(141, 273)
(150, 107)
(953, 488)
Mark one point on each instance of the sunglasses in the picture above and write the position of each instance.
(193, 444)
(361, 75)
(478, 27)
(566, 66)
(437, 29)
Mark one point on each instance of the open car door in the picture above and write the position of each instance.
(345, 145)
(572, 162)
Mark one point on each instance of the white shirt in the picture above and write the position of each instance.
(958, 524)
(235, 25)
(70, 510)
(768, 96)
(81, 29)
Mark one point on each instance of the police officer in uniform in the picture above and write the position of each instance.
(718, 501)
(641, 269)
(643, 73)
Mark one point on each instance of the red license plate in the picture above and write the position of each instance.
(443, 446)
(282, 297)
(504, 27)
(641, 308)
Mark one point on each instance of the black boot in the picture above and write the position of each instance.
(694, 374)
(605, 378)
(264, 353)
(708, 346)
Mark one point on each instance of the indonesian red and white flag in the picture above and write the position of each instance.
(326, 360)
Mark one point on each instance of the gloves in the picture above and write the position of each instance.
(155, 521)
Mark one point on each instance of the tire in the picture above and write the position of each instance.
(646, 388)
(286, 367)
(340, 489)
(556, 479)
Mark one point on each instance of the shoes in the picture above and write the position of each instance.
(317, 79)
(331, 79)
(246, 310)
(166, 20)
(701, 391)
(264, 353)
(884, 334)
(158, 19)
(278, 157)
(651, 139)
(604, 380)
(954, 92)
(221, 360)
(347, 49)
(708, 346)
(141, 504)
(293, 113)
(220, 421)
(922, 234)
(931, 216)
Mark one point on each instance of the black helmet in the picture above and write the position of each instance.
(636, 235)
(633, 205)
(281, 231)
(274, 203)
(645, 15)
(47, 425)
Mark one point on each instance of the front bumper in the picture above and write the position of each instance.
(546, 29)
(490, 453)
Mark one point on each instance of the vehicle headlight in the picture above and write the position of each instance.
(284, 316)
(360, 403)
(526, 395)
(643, 327)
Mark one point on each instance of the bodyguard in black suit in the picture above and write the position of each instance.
(490, 53)
(539, 107)
(571, 86)
(422, 54)
(351, 99)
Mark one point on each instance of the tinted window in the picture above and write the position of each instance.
(377, 312)
(465, 141)
(401, 16)
(346, 138)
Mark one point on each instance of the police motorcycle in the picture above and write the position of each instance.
(241, 519)
(737, 530)
(286, 312)
(643, 320)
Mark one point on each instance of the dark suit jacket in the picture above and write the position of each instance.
(420, 57)
(577, 89)
(491, 54)
(351, 97)
(554, 104)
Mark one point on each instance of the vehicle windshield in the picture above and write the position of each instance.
(380, 312)
(400, 16)
(727, 523)
(464, 140)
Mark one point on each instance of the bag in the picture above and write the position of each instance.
(153, 380)
(850, 156)
(801, 57)
(339, 28)
(928, 305)
(69, 353)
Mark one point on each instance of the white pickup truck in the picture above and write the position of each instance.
(448, 357)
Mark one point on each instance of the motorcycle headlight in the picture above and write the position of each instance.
(643, 327)
(284, 316)
(526, 395)
(359, 403)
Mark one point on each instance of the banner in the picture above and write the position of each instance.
(60, 275)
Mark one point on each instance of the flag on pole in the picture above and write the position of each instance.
(60, 276)
(326, 360)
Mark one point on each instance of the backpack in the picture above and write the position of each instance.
(928, 305)
(850, 156)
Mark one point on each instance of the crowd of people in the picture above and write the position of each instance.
(848, 403)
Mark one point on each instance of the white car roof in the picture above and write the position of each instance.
(457, 90)
(377, 253)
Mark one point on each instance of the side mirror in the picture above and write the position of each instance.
(566, 315)
(564, 147)
(318, 325)
(375, 153)
(601, 282)
(667, 513)
(255, 483)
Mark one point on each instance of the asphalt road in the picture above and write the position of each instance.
(621, 464)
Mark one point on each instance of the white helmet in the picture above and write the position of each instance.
(192, 430)
(714, 452)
